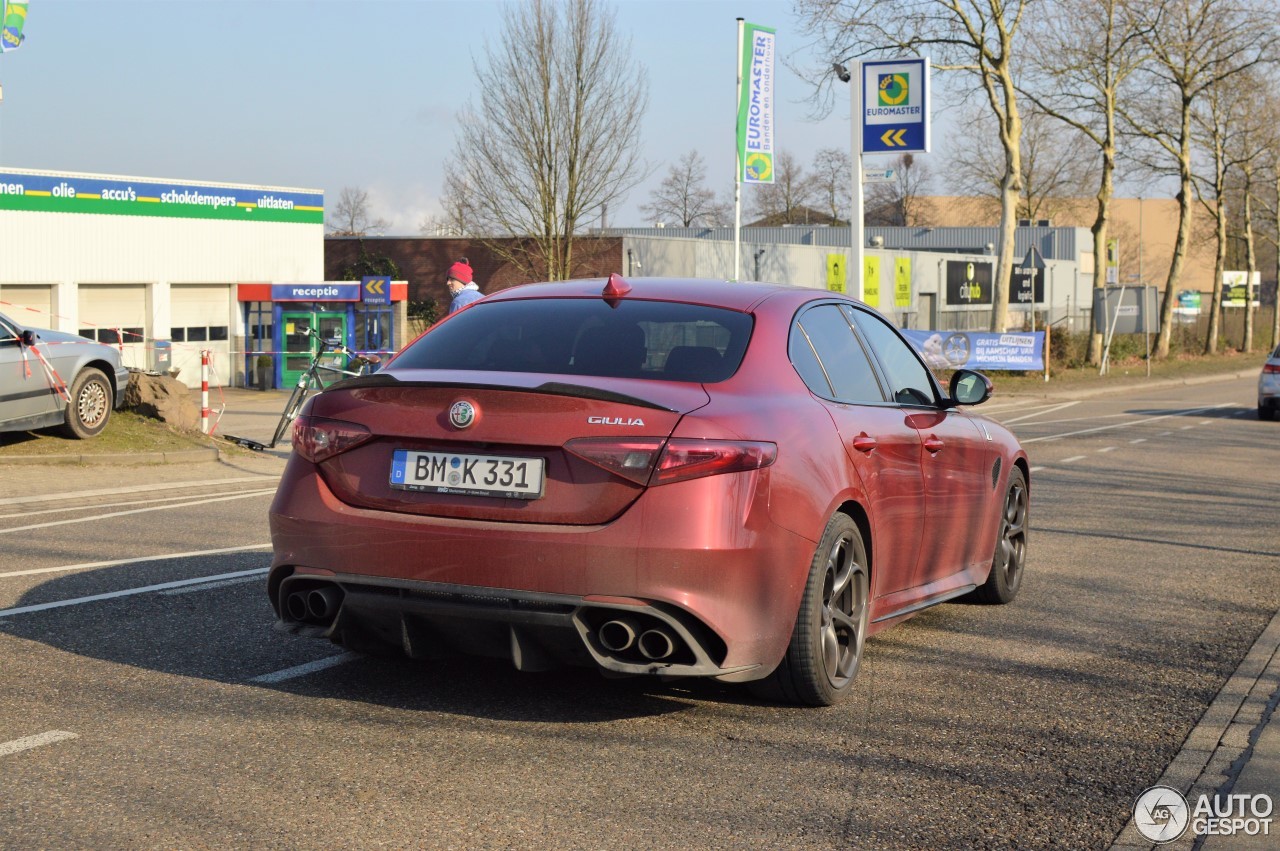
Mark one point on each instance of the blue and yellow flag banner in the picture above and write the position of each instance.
(15, 18)
(755, 105)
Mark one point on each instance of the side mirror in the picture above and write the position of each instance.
(970, 388)
(28, 337)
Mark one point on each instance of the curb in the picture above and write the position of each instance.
(177, 456)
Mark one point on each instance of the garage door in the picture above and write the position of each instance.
(201, 320)
(110, 312)
(28, 305)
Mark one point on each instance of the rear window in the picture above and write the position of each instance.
(635, 339)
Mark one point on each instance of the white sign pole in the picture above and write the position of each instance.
(856, 238)
(737, 174)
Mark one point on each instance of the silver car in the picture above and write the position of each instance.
(51, 378)
(1269, 387)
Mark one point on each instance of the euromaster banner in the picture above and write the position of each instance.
(755, 106)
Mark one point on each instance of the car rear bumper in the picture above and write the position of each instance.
(723, 584)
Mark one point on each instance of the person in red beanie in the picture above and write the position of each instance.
(461, 286)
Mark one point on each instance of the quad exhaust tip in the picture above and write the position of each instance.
(316, 605)
(623, 635)
(618, 635)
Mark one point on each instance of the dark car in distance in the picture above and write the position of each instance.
(52, 378)
(677, 478)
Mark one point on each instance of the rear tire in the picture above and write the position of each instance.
(1010, 559)
(291, 411)
(831, 627)
(1266, 413)
(90, 407)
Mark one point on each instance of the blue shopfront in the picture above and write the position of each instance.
(278, 319)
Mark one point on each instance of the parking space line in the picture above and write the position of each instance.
(96, 517)
(308, 668)
(1107, 449)
(128, 592)
(208, 586)
(1139, 440)
(1072, 458)
(29, 742)
(1184, 428)
(117, 562)
(198, 483)
(1036, 469)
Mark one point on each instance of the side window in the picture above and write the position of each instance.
(841, 357)
(910, 382)
(800, 349)
(7, 333)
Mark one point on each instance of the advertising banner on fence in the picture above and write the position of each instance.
(871, 279)
(755, 105)
(977, 350)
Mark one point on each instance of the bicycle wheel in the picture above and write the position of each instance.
(291, 410)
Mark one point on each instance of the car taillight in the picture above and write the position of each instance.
(632, 459)
(1271, 367)
(692, 459)
(654, 461)
(317, 438)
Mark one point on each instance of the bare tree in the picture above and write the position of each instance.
(1083, 52)
(351, 215)
(832, 181)
(1252, 137)
(975, 37)
(556, 135)
(1056, 168)
(900, 201)
(1194, 45)
(786, 200)
(684, 197)
(456, 217)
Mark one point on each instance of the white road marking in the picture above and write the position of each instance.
(117, 562)
(1035, 412)
(96, 517)
(1036, 469)
(1206, 422)
(89, 506)
(29, 742)
(1107, 449)
(1124, 424)
(208, 586)
(1164, 434)
(1072, 458)
(1139, 440)
(200, 483)
(128, 592)
(1184, 428)
(309, 668)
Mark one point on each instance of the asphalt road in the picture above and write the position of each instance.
(145, 703)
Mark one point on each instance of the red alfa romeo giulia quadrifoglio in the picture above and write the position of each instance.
(656, 477)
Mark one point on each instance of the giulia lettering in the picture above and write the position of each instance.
(618, 421)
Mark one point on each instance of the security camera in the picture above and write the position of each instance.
(841, 71)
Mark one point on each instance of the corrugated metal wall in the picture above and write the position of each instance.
(658, 254)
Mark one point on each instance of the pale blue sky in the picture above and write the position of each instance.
(362, 93)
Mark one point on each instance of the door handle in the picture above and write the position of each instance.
(933, 444)
(864, 443)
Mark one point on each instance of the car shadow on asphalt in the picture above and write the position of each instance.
(222, 631)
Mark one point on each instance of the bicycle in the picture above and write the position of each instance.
(319, 375)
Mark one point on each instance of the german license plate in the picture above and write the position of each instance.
(467, 475)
